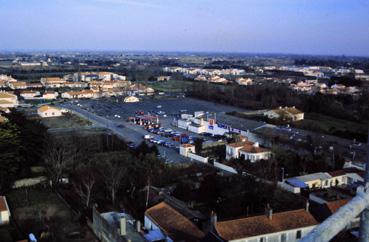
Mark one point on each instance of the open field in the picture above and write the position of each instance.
(170, 86)
(66, 121)
(333, 126)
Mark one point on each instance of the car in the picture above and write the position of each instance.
(120, 126)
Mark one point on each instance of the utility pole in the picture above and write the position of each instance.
(364, 218)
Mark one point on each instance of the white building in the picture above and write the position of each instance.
(244, 81)
(131, 99)
(8, 100)
(52, 82)
(4, 211)
(247, 150)
(47, 111)
(29, 94)
(286, 113)
(79, 94)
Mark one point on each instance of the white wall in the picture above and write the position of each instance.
(198, 158)
(277, 237)
(225, 167)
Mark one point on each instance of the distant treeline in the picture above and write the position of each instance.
(272, 96)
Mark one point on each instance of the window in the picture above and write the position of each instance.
(298, 234)
(284, 238)
(263, 239)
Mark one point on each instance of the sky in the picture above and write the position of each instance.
(322, 27)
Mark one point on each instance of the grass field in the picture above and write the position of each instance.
(170, 86)
(338, 127)
(66, 121)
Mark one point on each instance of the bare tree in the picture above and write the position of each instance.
(112, 168)
(85, 184)
(59, 156)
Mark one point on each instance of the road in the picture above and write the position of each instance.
(125, 130)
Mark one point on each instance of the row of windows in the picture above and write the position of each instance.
(283, 237)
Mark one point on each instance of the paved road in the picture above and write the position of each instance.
(129, 132)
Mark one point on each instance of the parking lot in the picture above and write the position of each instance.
(114, 113)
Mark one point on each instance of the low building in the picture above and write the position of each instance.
(76, 84)
(286, 113)
(247, 150)
(48, 95)
(131, 99)
(47, 111)
(244, 81)
(116, 227)
(79, 94)
(8, 100)
(164, 223)
(4, 211)
(321, 180)
(29, 94)
(287, 226)
(163, 78)
(52, 82)
(18, 85)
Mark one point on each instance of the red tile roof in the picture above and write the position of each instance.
(174, 224)
(335, 205)
(259, 225)
(3, 206)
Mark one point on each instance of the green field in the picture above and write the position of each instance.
(338, 127)
(170, 86)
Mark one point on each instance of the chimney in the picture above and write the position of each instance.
(138, 226)
(307, 205)
(270, 213)
(123, 229)
(213, 219)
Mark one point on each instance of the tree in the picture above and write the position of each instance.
(198, 145)
(112, 169)
(10, 155)
(85, 182)
(59, 157)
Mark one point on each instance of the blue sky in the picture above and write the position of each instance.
(257, 26)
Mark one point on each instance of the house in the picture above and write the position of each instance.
(163, 78)
(47, 111)
(184, 149)
(131, 99)
(48, 95)
(164, 223)
(8, 100)
(321, 180)
(76, 84)
(79, 94)
(289, 226)
(244, 81)
(29, 94)
(247, 150)
(286, 113)
(17, 85)
(4, 211)
(52, 82)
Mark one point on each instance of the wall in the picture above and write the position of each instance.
(4, 217)
(197, 157)
(225, 167)
(103, 230)
(288, 187)
(276, 237)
